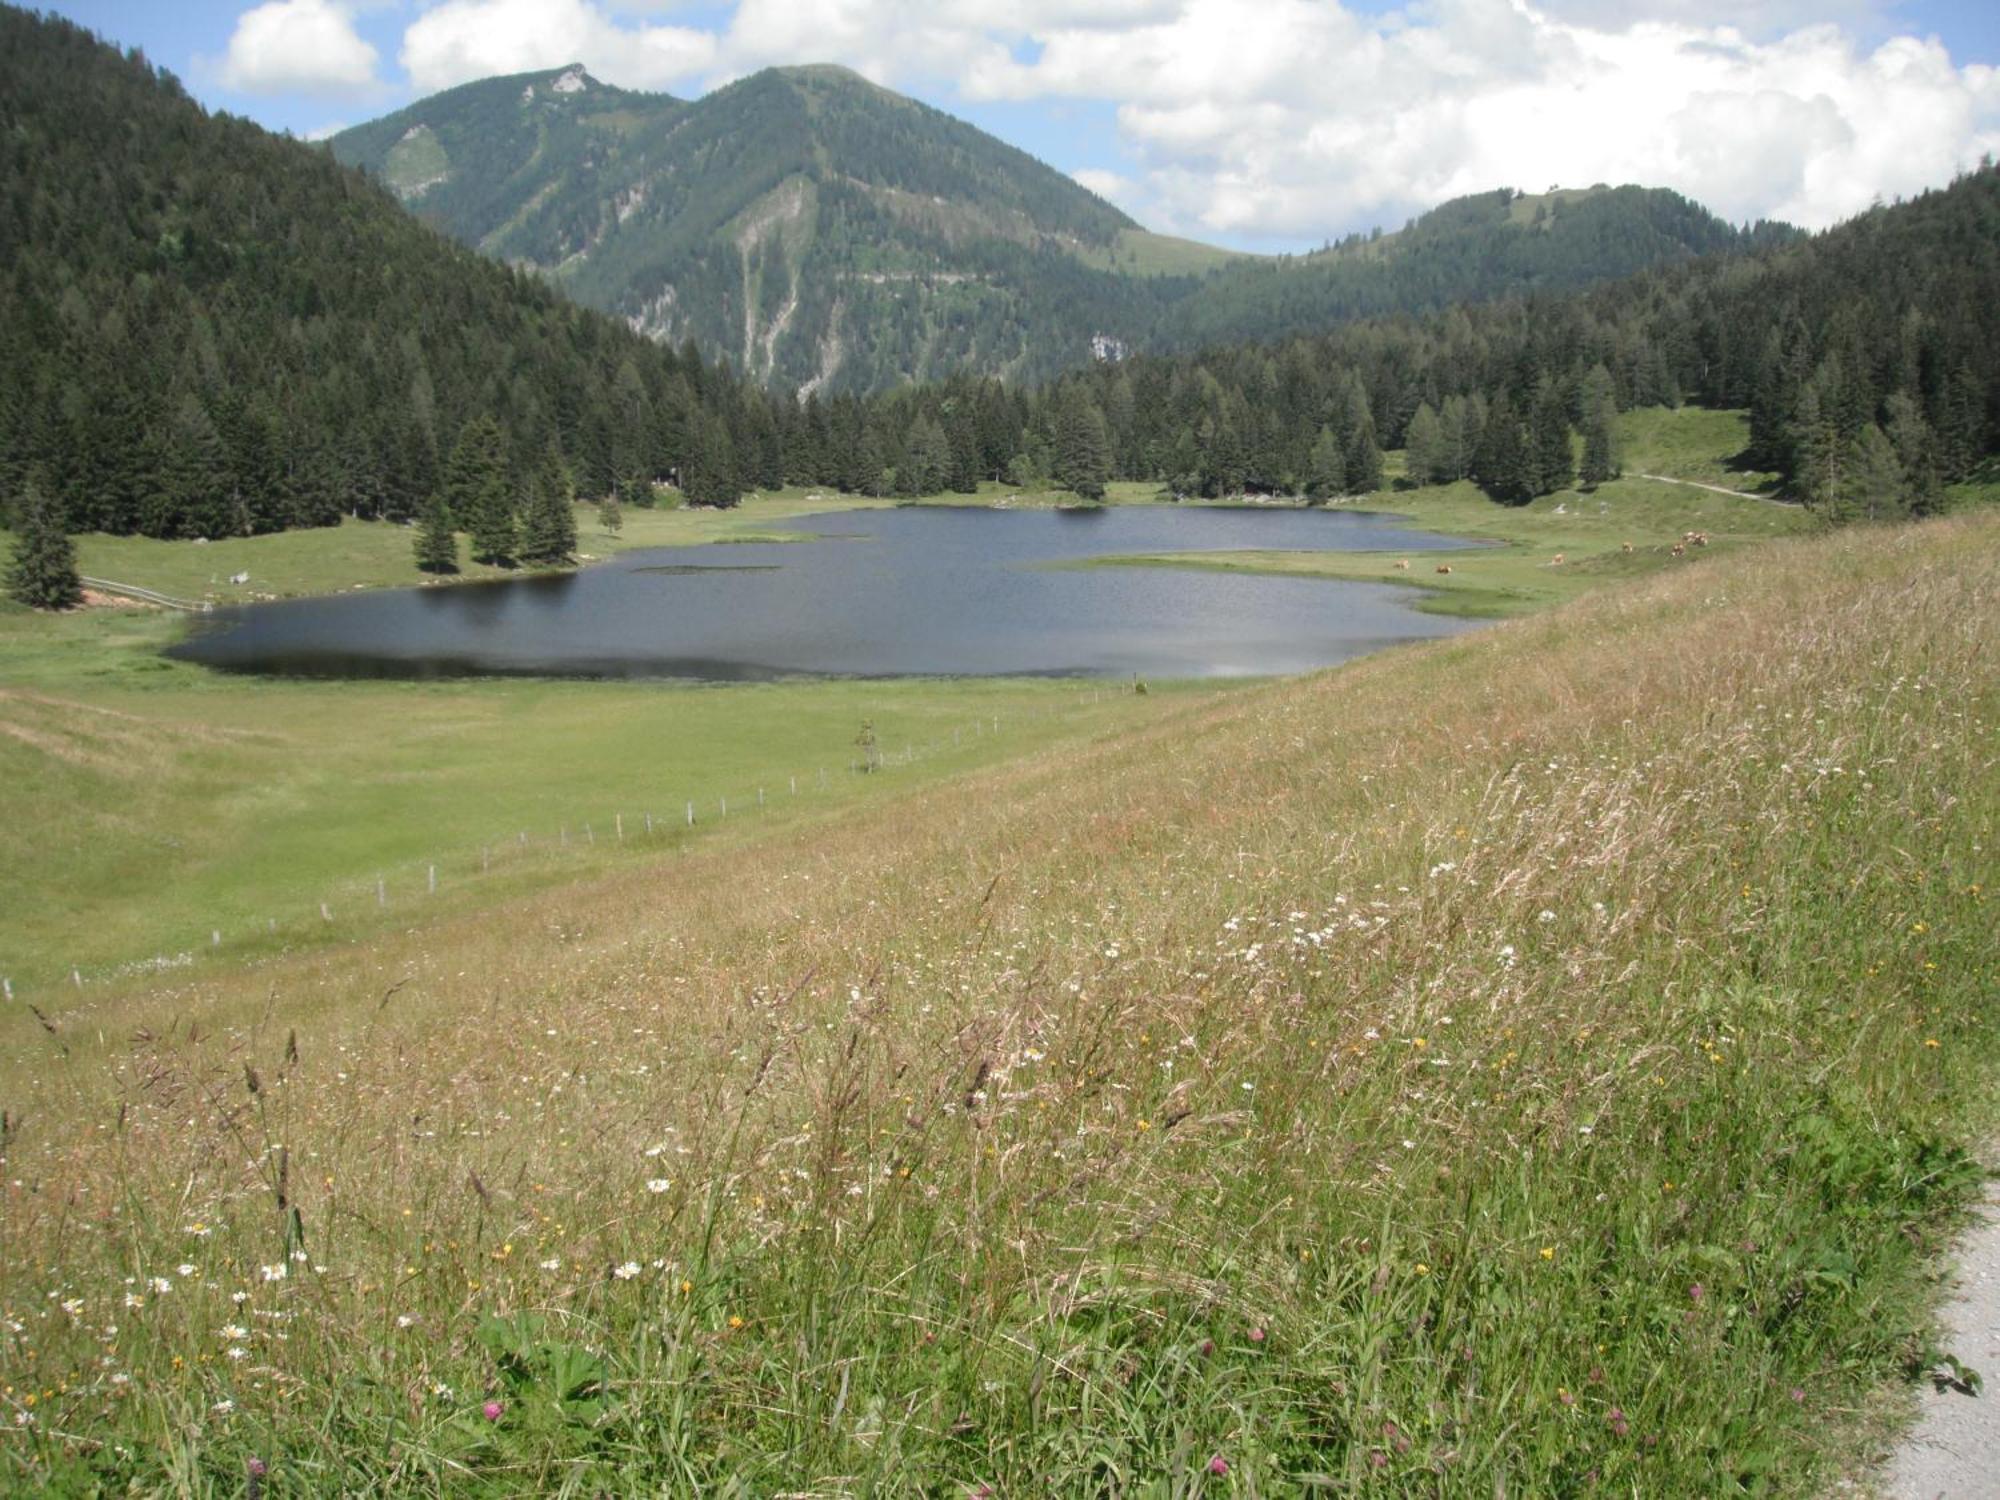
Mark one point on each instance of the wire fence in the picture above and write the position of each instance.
(667, 824)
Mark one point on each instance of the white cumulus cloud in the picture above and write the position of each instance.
(461, 40)
(297, 46)
(1298, 119)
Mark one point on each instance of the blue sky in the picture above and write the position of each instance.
(1267, 124)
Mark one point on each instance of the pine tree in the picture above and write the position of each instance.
(927, 460)
(437, 543)
(1326, 467)
(475, 492)
(1871, 484)
(1363, 458)
(1821, 452)
(1083, 452)
(548, 529)
(1501, 464)
(43, 572)
(961, 430)
(611, 515)
(1552, 451)
(1600, 406)
(1423, 449)
(1916, 451)
(709, 476)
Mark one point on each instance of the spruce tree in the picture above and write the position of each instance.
(1871, 484)
(1551, 450)
(43, 572)
(1083, 451)
(475, 492)
(1501, 464)
(1916, 451)
(548, 528)
(437, 543)
(1363, 458)
(1423, 449)
(1600, 406)
(927, 460)
(709, 476)
(1326, 467)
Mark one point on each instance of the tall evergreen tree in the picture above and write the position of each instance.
(709, 476)
(1326, 467)
(1871, 482)
(1551, 450)
(548, 528)
(476, 494)
(1600, 407)
(1916, 451)
(1083, 452)
(1363, 458)
(1425, 461)
(927, 460)
(43, 572)
(436, 545)
(1502, 465)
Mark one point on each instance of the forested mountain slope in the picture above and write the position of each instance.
(829, 235)
(209, 329)
(1868, 357)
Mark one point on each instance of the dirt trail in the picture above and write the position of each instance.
(1954, 1450)
(1696, 484)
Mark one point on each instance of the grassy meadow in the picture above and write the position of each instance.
(241, 808)
(1539, 1062)
(1558, 546)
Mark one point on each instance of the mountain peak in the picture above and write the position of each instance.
(572, 79)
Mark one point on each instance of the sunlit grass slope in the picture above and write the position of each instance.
(1535, 1063)
(161, 814)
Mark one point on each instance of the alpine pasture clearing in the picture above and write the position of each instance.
(156, 806)
(1538, 1062)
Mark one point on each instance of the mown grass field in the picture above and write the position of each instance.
(1541, 1062)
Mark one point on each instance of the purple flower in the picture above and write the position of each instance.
(492, 1410)
(257, 1468)
(1218, 1465)
(1696, 1293)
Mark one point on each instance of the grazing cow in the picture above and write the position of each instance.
(1680, 550)
(1404, 565)
(1628, 547)
(1444, 567)
(1557, 560)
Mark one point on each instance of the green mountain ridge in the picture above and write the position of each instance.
(825, 234)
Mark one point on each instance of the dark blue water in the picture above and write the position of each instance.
(908, 592)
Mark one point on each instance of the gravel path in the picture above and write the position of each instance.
(1954, 1450)
(1696, 484)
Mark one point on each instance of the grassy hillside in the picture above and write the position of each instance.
(1532, 1063)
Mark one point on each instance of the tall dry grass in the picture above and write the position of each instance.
(1535, 1063)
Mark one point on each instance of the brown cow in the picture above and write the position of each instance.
(1444, 567)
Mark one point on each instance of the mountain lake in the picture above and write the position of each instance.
(914, 591)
